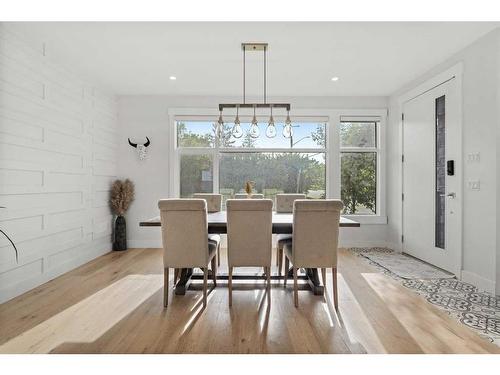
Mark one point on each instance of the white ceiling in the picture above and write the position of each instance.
(369, 58)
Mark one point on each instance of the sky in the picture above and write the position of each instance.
(301, 134)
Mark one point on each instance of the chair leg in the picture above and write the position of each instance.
(230, 285)
(335, 290)
(279, 254)
(323, 276)
(205, 281)
(165, 287)
(218, 257)
(295, 288)
(287, 265)
(214, 270)
(176, 274)
(269, 284)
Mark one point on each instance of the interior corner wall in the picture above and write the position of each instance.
(497, 288)
(141, 116)
(480, 90)
(58, 154)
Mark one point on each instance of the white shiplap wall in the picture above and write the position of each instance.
(58, 154)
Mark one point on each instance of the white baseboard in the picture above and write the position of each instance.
(347, 244)
(479, 281)
(147, 244)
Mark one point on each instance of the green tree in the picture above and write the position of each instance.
(358, 169)
(248, 141)
(319, 135)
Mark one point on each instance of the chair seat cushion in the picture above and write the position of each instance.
(213, 242)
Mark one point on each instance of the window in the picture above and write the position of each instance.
(338, 155)
(440, 173)
(196, 174)
(276, 165)
(359, 159)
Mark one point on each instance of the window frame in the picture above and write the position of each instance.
(378, 153)
(331, 117)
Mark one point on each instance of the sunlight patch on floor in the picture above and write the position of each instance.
(90, 318)
(355, 321)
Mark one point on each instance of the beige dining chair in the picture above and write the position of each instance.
(249, 237)
(284, 205)
(186, 242)
(245, 196)
(314, 241)
(214, 201)
(214, 204)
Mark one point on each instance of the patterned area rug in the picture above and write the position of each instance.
(470, 306)
(406, 267)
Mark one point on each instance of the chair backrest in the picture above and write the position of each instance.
(315, 232)
(249, 232)
(245, 196)
(184, 232)
(284, 202)
(214, 201)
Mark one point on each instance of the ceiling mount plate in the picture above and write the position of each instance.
(254, 46)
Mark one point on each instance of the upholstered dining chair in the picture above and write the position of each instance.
(284, 204)
(249, 237)
(214, 204)
(245, 196)
(186, 243)
(214, 201)
(314, 241)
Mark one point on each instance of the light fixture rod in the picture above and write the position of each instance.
(244, 73)
(256, 105)
(265, 71)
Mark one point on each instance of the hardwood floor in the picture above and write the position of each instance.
(114, 305)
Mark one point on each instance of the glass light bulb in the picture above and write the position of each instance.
(271, 130)
(254, 130)
(237, 131)
(287, 131)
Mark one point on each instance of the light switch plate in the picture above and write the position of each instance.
(474, 185)
(474, 157)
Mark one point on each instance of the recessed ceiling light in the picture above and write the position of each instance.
(335, 79)
(172, 78)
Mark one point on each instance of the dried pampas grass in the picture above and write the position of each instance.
(121, 196)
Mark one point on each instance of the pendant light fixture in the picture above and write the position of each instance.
(287, 128)
(254, 128)
(254, 131)
(237, 131)
(271, 128)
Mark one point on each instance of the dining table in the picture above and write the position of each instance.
(282, 223)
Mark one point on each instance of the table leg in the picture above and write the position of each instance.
(184, 281)
(312, 279)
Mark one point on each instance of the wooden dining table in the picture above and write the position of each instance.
(217, 224)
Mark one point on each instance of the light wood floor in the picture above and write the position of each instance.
(114, 305)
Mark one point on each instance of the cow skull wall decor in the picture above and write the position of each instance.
(141, 149)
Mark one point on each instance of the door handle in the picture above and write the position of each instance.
(451, 195)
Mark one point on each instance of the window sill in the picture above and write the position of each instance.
(368, 219)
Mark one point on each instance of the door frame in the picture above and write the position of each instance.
(454, 72)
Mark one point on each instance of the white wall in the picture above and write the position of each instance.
(480, 121)
(141, 116)
(497, 286)
(57, 156)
